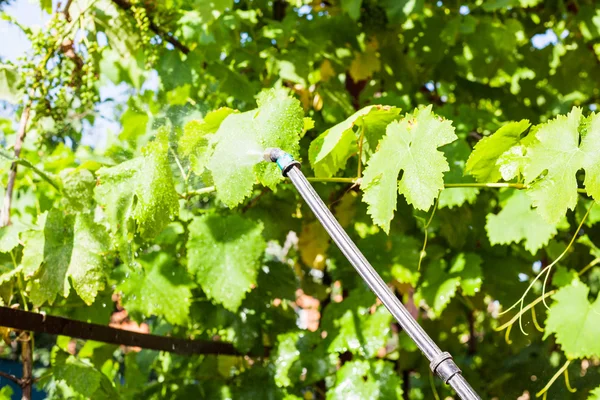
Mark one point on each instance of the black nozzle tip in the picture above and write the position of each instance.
(273, 154)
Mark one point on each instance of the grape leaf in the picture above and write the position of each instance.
(196, 141)
(574, 321)
(519, 222)
(10, 80)
(69, 247)
(456, 153)
(439, 286)
(362, 379)
(558, 151)
(299, 359)
(364, 64)
(329, 152)
(161, 288)
(9, 237)
(351, 326)
(6, 393)
(594, 394)
(313, 244)
(224, 253)
(483, 161)
(242, 138)
(78, 188)
(409, 145)
(352, 7)
(141, 191)
(82, 377)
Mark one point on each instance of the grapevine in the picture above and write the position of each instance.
(457, 144)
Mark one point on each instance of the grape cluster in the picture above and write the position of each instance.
(59, 78)
(88, 92)
(142, 22)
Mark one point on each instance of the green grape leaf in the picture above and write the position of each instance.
(351, 326)
(352, 7)
(6, 393)
(574, 321)
(78, 188)
(439, 284)
(241, 140)
(161, 287)
(594, 394)
(81, 377)
(70, 247)
(329, 152)
(139, 194)
(134, 121)
(559, 153)
(409, 145)
(483, 161)
(363, 379)
(517, 222)
(224, 254)
(563, 276)
(196, 141)
(457, 153)
(10, 80)
(298, 358)
(9, 237)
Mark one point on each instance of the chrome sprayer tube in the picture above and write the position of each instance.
(441, 363)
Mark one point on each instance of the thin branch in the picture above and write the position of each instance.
(426, 229)
(590, 265)
(66, 10)
(10, 377)
(167, 36)
(21, 132)
(357, 181)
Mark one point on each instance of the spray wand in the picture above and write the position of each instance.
(441, 363)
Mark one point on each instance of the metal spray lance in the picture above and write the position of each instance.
(441, 363)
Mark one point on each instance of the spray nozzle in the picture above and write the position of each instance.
(284, 160)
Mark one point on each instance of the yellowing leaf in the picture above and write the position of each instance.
(313, 244)
(409, 145)
(327, 71)
(364, 65)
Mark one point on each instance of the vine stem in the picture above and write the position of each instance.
(491, 185)
(590, 265)
(554, 378)
(10, 377)
(426, 229)
(12, 176)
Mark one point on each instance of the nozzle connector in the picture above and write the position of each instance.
(284, 161)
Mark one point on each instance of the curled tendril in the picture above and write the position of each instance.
(558, 373)
(546, 271)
